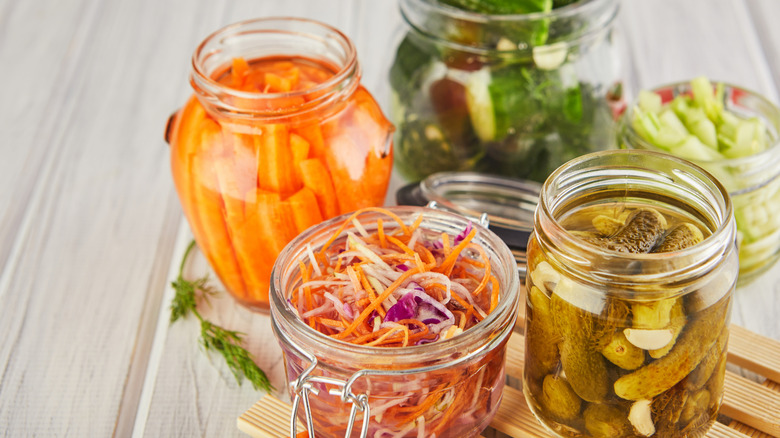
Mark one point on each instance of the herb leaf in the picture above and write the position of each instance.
(213, 337)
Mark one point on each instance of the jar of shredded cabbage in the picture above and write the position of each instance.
(631, 271)
(394, 322)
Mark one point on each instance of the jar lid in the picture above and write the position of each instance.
(509, 203)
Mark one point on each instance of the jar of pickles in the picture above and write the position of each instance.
(631, 270)
(278, 136)
(734, 134)
(394, 322)
(512, 88)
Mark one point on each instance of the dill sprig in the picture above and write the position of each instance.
(213, 337)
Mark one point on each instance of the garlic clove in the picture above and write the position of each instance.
(640, 416)
(649, 339)
(545, 277)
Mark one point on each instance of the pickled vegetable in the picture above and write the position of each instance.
(640, 233)
(559, 399)
(691, 347)
(583, 363)
(641, 366)
(543, 339)
(605, 421)
(623, 353)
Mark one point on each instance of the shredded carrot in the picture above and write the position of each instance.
(401, 258)
(449, 262)
(380, 231)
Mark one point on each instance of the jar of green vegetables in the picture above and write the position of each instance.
(512, 88)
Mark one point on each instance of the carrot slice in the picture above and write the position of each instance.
(277, 84)
(274, 160)
(313, 134)
(300, 151)
(275, 226)
(305, 211)
(185, 135)
(317, 178)
(213, 229)
(238, 72)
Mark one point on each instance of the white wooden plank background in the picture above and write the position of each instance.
(90, 226)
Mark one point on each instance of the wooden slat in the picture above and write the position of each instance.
(720, 430)
(515, 419)
(749, 431)
(754, 352)
(268, 418)
(748, 402)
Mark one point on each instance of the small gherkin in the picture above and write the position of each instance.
(558, 399)
(623, 353)
(639, 235)
(606, 421)
(584, 365)
(692, 346)
(680, 237)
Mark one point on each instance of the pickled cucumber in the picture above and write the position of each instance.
(677, 320)
(692, 346)
(643, 229)
(584, 365)
(605, 421)
(541, 338)
(558, 399)
(697, 405)
(680, 237)
(622, 353)
(699, 377)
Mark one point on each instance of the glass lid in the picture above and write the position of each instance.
(509, 203)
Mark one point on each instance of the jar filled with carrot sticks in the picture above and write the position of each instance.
(278, 136)
(394, 322)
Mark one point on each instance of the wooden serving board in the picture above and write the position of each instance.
(750, 409)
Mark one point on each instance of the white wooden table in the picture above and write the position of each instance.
(91, 230)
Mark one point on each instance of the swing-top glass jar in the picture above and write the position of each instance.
(631, 270)
(278, 136)
(357, 381)
(511, 91)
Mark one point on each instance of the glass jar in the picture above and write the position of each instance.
(752, 181)
(278, 136)
(451, 387)
(516, 95)
(631, 271)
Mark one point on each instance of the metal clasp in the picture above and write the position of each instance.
(303, 385)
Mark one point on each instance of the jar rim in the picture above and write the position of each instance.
(203, 82)
(766, 158)
(477, 17)
(501, 319)
(581, 7)
(702, 256)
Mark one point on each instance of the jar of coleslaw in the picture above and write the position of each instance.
(395, 322)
